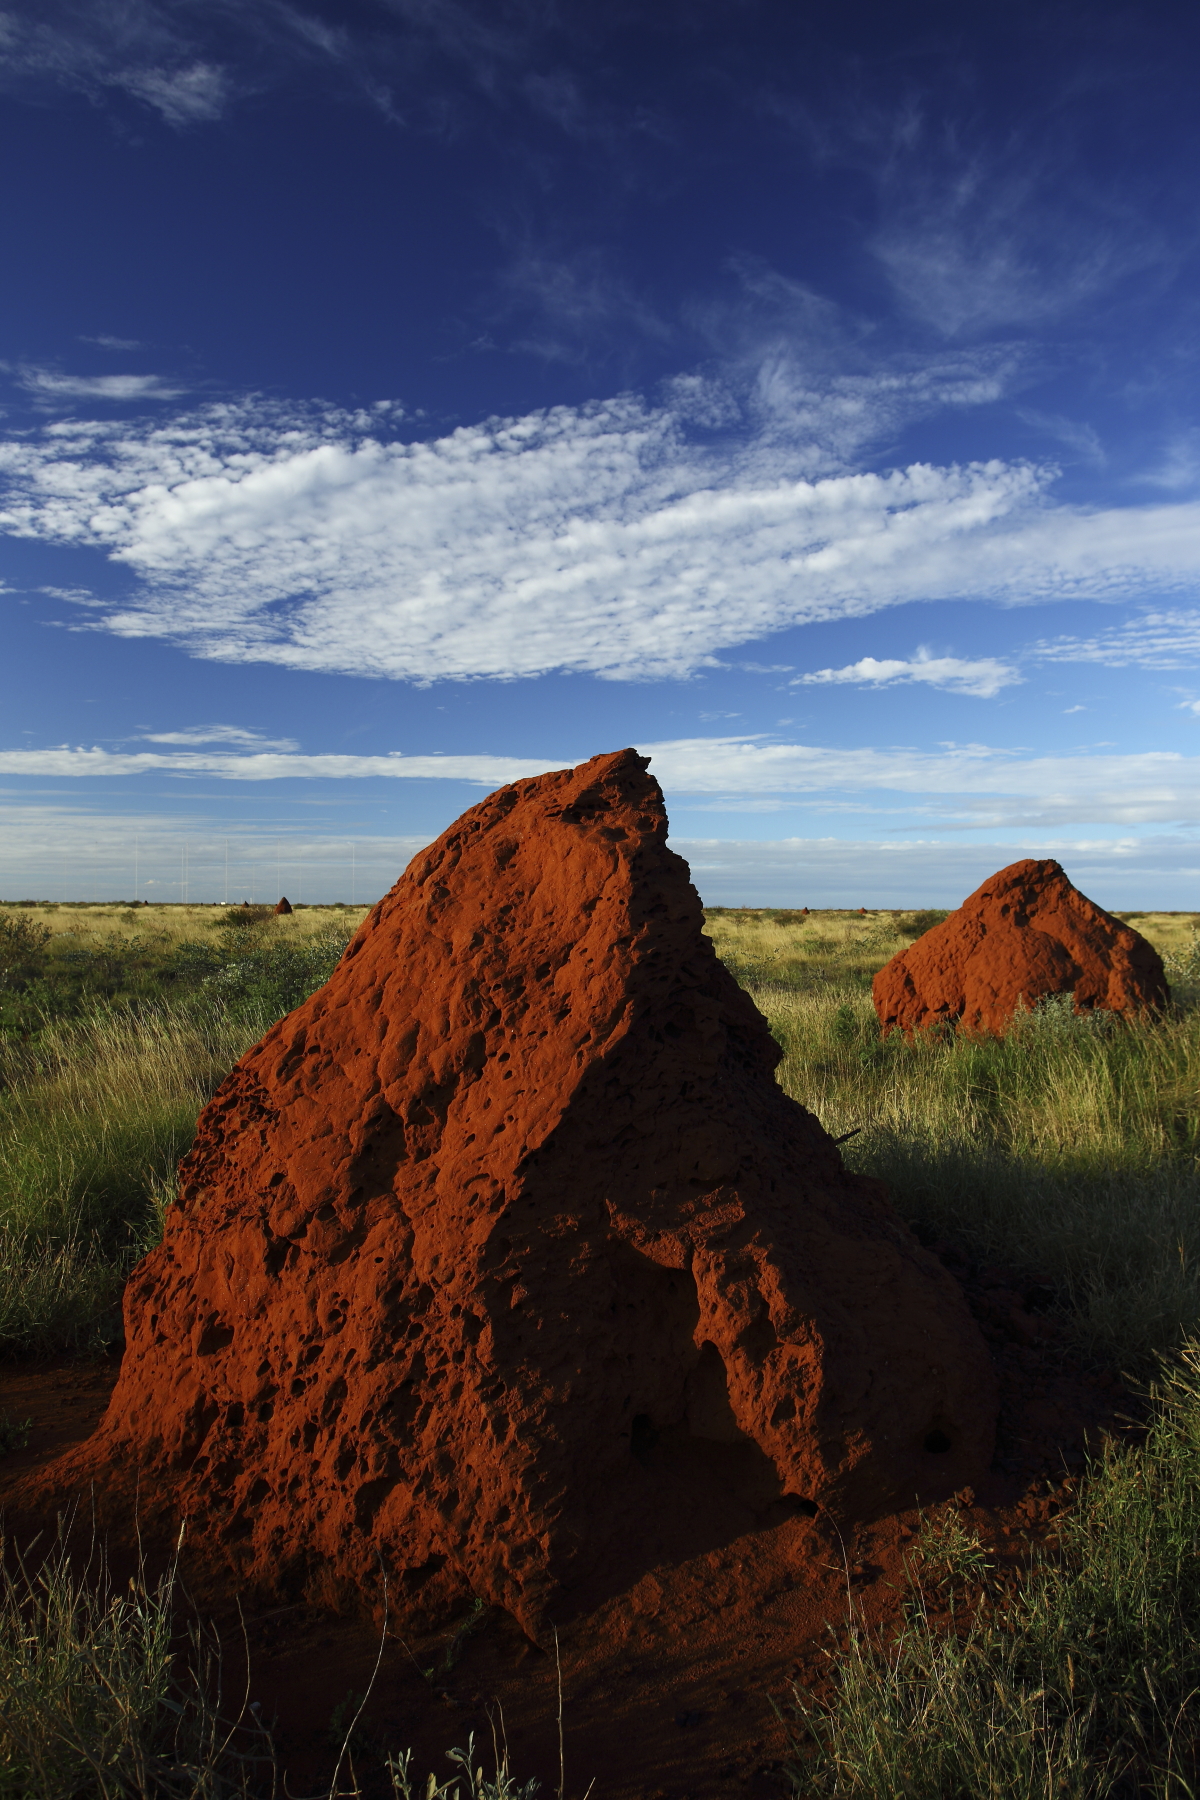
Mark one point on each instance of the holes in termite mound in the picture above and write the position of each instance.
(938, 1442)
(643, 1436)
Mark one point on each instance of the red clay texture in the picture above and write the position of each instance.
(503, 1265)
(1025, 933)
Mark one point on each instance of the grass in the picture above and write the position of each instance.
(1066, 1147)
(107, 1694)
(60, 961)
(89, 1138)
(1069, 1150)
(99, 1099)
(1080, 1680)
(95, 1699)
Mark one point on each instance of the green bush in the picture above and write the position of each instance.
(22, 940)
(1084, 1681)
(271, 979)
(104, 1697)
(916, 924)
(95, 1702)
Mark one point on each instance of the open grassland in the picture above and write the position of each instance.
(1069, 1149)
(116, 1026)
(1078, 1680)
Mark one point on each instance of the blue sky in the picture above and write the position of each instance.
(402, 396)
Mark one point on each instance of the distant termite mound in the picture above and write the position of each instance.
(1025, 933)
(504, 1265)
(283, 906)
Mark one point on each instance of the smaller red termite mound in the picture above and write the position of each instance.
(504, 1265)
(284, 905)
(1026, 932)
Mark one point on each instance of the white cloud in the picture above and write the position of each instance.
(577, 306)
(963, 786)
(1179, 469)
(976, 238)
(47, 384)
(1078, 436)
(184, 96)
(1152, 640)
(107, 342)
(138, 47)
(55, 850)
(1117, 873)
(76, 596)
(960, 787)
(271, 765)
(219, 734)
(982, 677)
(592, 538)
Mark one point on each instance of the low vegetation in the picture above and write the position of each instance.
(106, 1695)
(1068, 1149)
(1079, 1680)
(114, 1032)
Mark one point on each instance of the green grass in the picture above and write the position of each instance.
(96, 1701)
(1069, 1149)
(107, 1694)
(99, 1100)
(89, 1140)
(1080, 1680)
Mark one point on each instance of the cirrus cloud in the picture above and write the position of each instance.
(50, 386)
(1151, 640)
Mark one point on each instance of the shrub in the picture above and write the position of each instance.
(94, 1702)
(104, 1697)
(1084, 1681)
(239, 918)
(22, 940)
(916, 924)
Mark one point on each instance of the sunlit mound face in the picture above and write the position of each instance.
(507, 1240)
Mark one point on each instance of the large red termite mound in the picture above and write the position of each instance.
(503, 1264)
(1025, 933)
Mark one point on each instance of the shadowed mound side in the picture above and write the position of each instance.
(505, 1260)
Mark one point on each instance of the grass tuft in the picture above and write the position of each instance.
(1083, 1681)
(96, 1700)
(1068, 1148)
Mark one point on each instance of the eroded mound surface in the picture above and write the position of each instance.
(1026, 932)
(504, 1264)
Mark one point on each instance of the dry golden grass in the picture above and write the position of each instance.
(92, 924)
(1070, 1148)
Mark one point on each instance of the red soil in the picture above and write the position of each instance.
(503, 1267)
(1025, 933)
(668, 1687)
